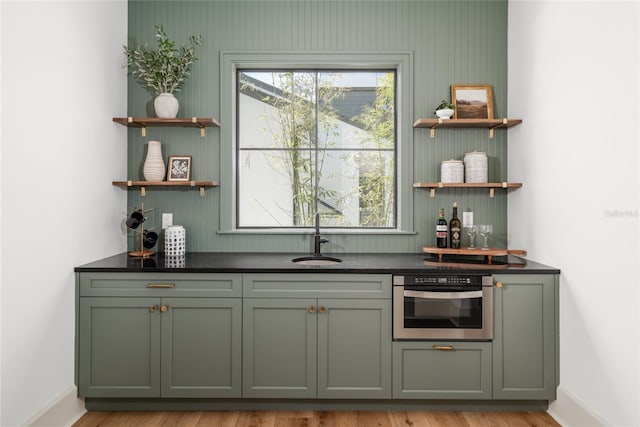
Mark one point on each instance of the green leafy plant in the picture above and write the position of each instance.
(162, 70)
(444, 104)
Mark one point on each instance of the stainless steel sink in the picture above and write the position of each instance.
(317, 260)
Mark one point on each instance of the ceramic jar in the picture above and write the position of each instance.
(452, 171)
(153, 169)
(475, 167)
(166, 106)
(174, 241)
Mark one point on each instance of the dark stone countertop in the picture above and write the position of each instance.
(379, 263)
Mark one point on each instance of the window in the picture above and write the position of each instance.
(316, 141)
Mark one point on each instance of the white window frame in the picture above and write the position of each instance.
(402, 62)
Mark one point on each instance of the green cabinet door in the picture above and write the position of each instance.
(441, 370)
(354, 348)
(525, 345)
(279, 348)
(119, 347)
(201, 347)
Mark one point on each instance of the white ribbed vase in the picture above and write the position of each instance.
(153, 169)
(166, 106)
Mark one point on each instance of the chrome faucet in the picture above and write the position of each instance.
(318, 240)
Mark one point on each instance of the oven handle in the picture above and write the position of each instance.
(443, 295)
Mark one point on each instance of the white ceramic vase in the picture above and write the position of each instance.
(153, 169)
(166, 106)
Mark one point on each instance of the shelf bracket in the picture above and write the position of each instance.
(433, 132)
(492, 193)
(432, 193)
(201, 191)
(203, 131)
(492, 132)
(143, 191)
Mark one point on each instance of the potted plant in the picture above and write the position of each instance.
(162, 71)
(444, 110)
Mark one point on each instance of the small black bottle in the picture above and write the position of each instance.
(454, 228)
(441, 230)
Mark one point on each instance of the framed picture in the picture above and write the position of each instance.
(472, 101)
(179, 168)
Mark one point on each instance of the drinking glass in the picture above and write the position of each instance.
(471, 232)
(485, 230)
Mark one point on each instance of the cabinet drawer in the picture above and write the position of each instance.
(160, 284)
(311, 285)
(437, 370)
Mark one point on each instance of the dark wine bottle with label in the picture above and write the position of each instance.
(441, 230)
(455, 229)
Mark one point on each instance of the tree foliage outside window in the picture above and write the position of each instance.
(316, 141)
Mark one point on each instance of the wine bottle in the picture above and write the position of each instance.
(441, 230)
(454, 228)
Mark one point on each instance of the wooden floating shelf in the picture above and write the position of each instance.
(489, 253)
(490, 124)
(188, 122)
(186, 184)
(490, 185)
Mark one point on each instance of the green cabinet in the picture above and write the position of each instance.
(525, 346)
(321, 346)
(157, 346)
(442, 370)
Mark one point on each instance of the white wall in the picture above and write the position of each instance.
(62, 82)
(573, 79)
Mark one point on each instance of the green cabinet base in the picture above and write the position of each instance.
(97, 404)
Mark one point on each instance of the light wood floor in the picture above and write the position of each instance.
(316, 419)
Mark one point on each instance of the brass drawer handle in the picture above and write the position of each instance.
(161, 285)
(443, 347)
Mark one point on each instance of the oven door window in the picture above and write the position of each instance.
(442, 309)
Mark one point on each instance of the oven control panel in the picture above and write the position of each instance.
(437, 280)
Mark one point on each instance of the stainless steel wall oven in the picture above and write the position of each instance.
(456, 307)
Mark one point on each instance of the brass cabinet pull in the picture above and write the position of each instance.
(498, 284)
(161, 285)
(443, 347)
(322, 309)
(164, 308)
(153, 308)
(312, 309)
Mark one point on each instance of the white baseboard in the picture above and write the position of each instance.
(62, 412)
(571, 412)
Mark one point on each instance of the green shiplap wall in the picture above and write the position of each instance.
(461, 42)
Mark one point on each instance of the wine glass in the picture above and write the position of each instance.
(471, 232)
(485, 230)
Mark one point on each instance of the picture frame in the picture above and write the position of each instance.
(472, 101)
(179, 168)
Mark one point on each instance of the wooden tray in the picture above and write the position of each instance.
(489, 253)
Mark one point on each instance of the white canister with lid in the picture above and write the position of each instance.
(475, 167)
(452, 171)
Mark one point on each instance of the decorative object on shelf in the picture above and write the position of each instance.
(153, 169)
(174, 241)
(148, 238)
(166, 106)
(445, 110)
(179, 168)
(163, 71)
(475, 167)
(472, 101)
(452, 171)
